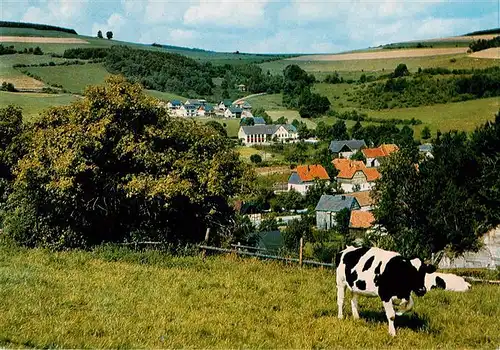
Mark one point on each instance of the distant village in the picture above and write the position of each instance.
(250, 135)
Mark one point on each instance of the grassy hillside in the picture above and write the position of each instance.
(33, 104)
(108, 299)
(72, 78)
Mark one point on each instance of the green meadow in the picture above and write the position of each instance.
(112, 298)
(34, 104)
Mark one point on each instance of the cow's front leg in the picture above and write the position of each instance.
(405, 306)
(354, 306)
(391, 315)
(340, 299)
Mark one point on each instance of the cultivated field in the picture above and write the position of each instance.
(112, 299)
(383, 54)
(493, 52)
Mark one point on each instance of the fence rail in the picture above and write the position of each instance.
(264, 256)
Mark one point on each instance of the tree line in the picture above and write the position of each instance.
(422, 90)
(8, 24)
(483, 44)
(10, 50)
(179, 74)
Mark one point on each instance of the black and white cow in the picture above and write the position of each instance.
(446, 281)
(376, 272)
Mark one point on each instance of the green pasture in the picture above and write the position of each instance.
(232, 126)
(165, 96)
(73, 78)
(110, 298)
(247, 152)
(380, 66)
(444, 117)
(8, 61)
(268, 102)
(34, 103)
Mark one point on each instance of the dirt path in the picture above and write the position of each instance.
(41, 40)
(382, 54)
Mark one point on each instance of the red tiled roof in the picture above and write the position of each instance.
(347, 168)
(361, 219)
(363, 197)
(311, 172)
(382, 151)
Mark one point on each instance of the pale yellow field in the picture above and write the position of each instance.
(23, 82)
(41, 40)
(385, 54)
(493, 53)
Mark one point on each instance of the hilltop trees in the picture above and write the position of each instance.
(447, 202)
(109, 35)
(115, 167)
(99, 34)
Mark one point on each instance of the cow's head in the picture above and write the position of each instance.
(418, 280)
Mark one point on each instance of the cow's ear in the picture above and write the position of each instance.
(430, 269)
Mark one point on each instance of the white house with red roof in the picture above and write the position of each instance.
(305, 176)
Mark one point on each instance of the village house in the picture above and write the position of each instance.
(187, 110)
(364, 200)
(206, 110)
(242, 104)
(346, 148)
(224, 104)
(328, 206)
(375, 155)
(305, 176)
(233, 112)
(259, 121)
(267, 134)
(354, 176)
(174, 104)
(487, 257)
(426, 150)
(360, 222)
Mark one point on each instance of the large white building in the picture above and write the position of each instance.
(267, 134)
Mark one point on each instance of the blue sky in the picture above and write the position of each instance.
(311, 26)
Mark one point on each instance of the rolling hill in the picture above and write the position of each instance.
(65, 78)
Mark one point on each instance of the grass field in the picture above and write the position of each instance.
(268, 102)
(165, 96)
(105, 299)
(379, 66)
(247, 152)
(450, 116)
(32, 104)
(74, 78)
(232, 126)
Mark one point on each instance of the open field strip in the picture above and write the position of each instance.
(232, 126)
(34, 103)
(493, 52)
(74, 78)
(42, 40)
(111, 299)
(383, 54)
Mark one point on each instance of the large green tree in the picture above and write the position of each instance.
(446, 202)
(115, 166)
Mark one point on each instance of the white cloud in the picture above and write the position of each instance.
(33, 15)
(66, 9)
(115, 23)
(226, 13)
(132, 7)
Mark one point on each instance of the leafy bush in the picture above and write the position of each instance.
(256, 159)
(115, 167)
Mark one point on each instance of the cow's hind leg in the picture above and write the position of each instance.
(354, 306)
(340, 298)
(391, 315)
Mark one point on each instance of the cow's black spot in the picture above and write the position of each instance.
(368, 263)
(351, 276)
(398, 279)
(352, 258)
(361, 284)
(440, 283)
(377, 269)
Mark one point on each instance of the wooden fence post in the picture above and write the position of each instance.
(204, 251)
(300, 250)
